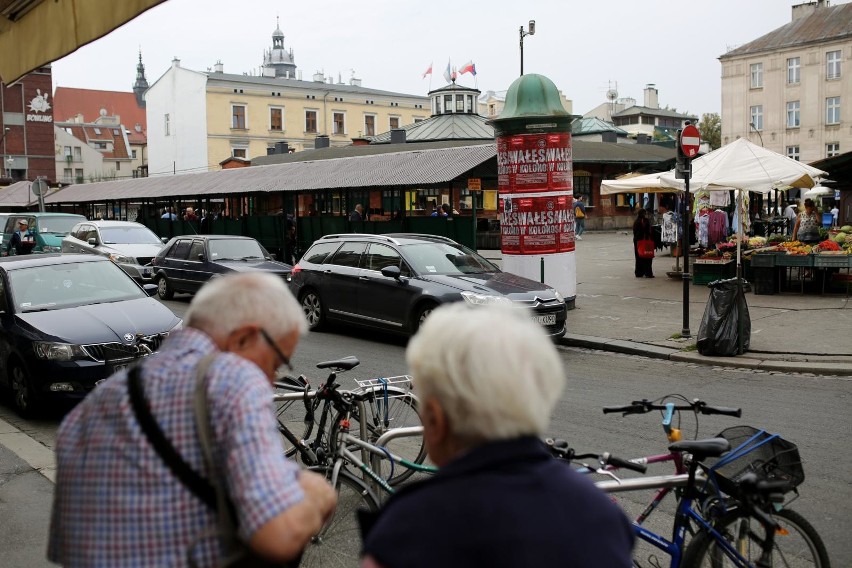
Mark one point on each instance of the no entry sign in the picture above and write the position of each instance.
(690, 140)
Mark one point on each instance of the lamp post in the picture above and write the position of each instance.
(759, 135)
(524, 34)
(3, 139)
(10, 161)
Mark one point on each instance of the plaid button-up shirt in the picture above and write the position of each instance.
(117, 503)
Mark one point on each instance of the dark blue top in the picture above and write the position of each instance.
(504, 504)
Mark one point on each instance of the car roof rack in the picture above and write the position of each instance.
(385, 238)
(422, 236)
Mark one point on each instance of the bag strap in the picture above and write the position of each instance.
(199, 486)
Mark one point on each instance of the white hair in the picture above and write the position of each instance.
(231, 301)
(492, 369)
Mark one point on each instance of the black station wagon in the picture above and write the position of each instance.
(393, 282)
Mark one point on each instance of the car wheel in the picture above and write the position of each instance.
(313, 309)
(164, 289)
(420, 316)
(24, 396)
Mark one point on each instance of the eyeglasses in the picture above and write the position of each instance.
(285, 361)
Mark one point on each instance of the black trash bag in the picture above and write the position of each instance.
(719, 330)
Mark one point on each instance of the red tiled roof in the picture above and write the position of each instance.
(86, 133)
(69, 102)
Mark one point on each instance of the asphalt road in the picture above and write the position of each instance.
(808, 410)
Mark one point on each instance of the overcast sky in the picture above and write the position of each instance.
(585, 47)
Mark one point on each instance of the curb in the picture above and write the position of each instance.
(36, 455)
(831, 368)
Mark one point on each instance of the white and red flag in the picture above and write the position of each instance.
(468, 67)
(427, 72)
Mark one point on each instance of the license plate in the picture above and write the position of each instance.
(547, 319)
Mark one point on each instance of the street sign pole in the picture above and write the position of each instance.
(685, 248)
(688, 142)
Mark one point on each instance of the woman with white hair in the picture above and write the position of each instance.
(488, 379)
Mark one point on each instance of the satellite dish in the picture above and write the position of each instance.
(612, 94)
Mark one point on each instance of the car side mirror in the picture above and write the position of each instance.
(201, 256)
(391, 272)
(164, 239)
(92, 241)
(272, 256)
(150, 289)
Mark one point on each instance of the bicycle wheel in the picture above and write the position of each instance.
(339, 541)
(797, 544)
(397, 410)
(293, 415)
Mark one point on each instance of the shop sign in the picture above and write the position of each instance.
(534, 163)
(39, 104)
(474, 184)
(537, 225)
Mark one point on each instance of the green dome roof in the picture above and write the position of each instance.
(532, 95)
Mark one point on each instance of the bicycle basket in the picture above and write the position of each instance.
(769, 456)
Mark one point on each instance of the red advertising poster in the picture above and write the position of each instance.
(536, 225)
(534, 163)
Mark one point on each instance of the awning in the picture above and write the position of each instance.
(36, 32)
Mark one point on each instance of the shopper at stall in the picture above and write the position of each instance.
(808, 224)
(641, 232)
(791, 214)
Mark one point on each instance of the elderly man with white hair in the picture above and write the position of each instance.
(488, 380)
(118, 503)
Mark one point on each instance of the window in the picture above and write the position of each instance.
(238, 116)
(310, 121)
(793, 70)
(180, 249)
(459, 103)
(832, 110)
(380, 256)
(167, 124)
(78, 153)
(133, 154)
(832, 149)
(349, 254)
(97, 131)
(276, 119)
(393, 122)
(101, 145)
(239, 152)
(470, 107)
(117, 166)
(196, 251)
(318, 253)
(339, 123)
(370, 125)
(756, 75)
(793, 152)
(67, 151)
(78, 175)
(832, 65)
(756, 113)
(448, 103)
(583, 186)
(793, 114)
(66, 174)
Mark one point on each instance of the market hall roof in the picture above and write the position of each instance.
(19, 194)
(825, 23)
(444, 127)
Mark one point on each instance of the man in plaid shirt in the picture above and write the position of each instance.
(117, 503)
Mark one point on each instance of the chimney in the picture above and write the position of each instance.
(319, 77)
(804, 10)
(651, 100)
(282, 148)
(361, 141)
(175, 62)
(218, 67)
(321, 141)
(397, 136)
(609, 137)
(355, 82)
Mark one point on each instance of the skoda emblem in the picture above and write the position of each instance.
(128, 337)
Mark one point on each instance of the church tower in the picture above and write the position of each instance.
(278, 62)
(141, 84)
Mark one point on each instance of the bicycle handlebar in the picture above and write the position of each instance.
(644, 406)
(560, 449)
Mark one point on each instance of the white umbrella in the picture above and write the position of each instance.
(817, 191)
(648, 183)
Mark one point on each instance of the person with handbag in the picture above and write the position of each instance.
(643, 246)
(178, 461)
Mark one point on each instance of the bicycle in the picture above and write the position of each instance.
(746, 513)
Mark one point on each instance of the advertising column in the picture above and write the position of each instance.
(535, 180)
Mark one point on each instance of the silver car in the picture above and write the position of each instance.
(129, 245)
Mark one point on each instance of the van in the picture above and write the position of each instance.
(48, 228)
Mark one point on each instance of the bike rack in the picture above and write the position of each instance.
(392, 434)
(655, 482)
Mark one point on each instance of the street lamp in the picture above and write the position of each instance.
(10, 161)
(759, 135)
(524, 34)
(2, 139)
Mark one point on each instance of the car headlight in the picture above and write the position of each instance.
(178, 325)
(119, 259)
(485, 299)
(50, 248)
(58, 351)
(559, 296)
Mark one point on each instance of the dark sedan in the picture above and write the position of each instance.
(393, 282)
(187, 262)
(70, 321)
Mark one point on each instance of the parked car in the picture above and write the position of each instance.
(187, 262)
(130, 245)
(70, 321)
(49, 229)
(393, 282)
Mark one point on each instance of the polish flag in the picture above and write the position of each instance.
(427, 72)
(468, 67)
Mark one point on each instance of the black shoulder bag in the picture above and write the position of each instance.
(236, 553)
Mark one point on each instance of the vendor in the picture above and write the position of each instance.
(808, 224)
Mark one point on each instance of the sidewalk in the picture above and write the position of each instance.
(615, 311)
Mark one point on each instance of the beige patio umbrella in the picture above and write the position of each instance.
(36, 32)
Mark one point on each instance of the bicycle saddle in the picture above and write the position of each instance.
(700, 449)
(344, 364)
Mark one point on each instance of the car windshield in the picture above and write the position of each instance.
(66, 285)
(129, 236)
(445, 258)
(57, 225)
(235, 249)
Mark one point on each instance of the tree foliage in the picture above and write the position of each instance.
(710, 128)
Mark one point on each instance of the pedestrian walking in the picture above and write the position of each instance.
(22, 240)
(497, 482)
(642, 232)
(579, 218)
(357, 214)
(117, 501)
